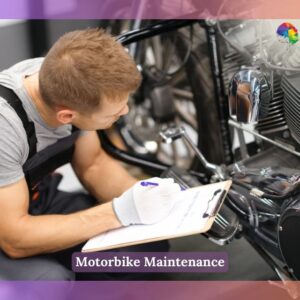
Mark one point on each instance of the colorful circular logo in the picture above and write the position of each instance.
(288, 33)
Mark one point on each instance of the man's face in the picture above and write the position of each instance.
(102, 118)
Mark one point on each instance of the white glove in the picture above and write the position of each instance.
(146, 204)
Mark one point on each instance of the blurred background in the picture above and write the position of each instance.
(22, 39)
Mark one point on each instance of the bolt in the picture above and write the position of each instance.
(285, 134)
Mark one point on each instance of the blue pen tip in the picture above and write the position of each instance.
(147, 183)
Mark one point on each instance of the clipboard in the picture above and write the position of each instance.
(195, 212)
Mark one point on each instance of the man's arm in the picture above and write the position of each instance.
(101, 175)
(24, 235)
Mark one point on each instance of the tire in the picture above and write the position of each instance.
(201, 81)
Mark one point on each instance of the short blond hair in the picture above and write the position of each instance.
(84, 66)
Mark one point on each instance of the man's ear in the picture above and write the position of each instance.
(65, 116)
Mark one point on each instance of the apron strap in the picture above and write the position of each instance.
(14, 101)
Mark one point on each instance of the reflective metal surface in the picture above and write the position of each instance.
(249, 96)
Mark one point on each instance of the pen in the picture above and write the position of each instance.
(148, 183)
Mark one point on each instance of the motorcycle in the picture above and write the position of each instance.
(199, 96)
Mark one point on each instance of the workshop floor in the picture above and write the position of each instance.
(244, 262)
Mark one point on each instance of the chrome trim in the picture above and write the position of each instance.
(249, 96)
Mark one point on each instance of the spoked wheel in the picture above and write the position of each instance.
(177, 90)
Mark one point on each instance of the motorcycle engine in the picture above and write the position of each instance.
(269, 216)
(275, 57)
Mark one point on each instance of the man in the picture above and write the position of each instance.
(50, 109)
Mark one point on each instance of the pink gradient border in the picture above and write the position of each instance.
(149, 9)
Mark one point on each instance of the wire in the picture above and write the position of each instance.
(242, 198)
(235, 46)
(265, 195)
(163, 79)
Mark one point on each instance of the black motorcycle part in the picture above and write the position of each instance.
(288, 235)
(163, 107)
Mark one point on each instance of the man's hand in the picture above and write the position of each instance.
(146, 204)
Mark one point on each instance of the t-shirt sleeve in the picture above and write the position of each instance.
(12, 150)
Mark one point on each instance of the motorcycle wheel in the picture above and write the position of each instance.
(184, 99)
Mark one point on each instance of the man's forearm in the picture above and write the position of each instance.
(50, 233)
(106, 179)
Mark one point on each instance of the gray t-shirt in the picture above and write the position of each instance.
(14, 147)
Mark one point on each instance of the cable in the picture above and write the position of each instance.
(163, 80)
(234, 45)
(187, 56)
